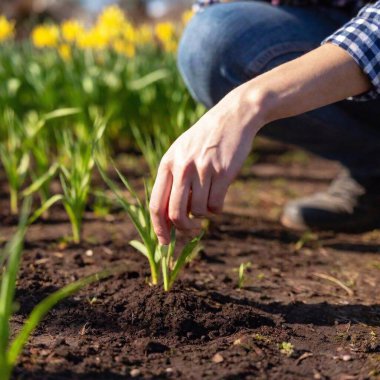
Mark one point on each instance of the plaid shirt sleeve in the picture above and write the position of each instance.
(360, 37)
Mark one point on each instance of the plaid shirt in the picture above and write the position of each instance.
(360, 37)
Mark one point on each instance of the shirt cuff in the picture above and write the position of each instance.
(360, 37)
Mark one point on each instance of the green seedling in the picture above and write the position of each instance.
(241, 273)
(41, 146)
(164, 129)
(21, 144)
(14, 156)
(76, 175)
(286, 348)
(75, 171)
(306, 238)
(152, 146)
(158, 256)
(101, 205)
(10, 258)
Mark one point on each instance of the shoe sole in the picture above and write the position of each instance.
(292, 226)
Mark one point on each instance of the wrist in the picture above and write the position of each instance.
(256, 103)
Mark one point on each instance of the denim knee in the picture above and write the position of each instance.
(203, 55)
(228, 44)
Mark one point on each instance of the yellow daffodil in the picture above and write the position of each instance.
(64, 51)
(45, 36)
(111, 21)
(91, 39)
(71, 30)
(124, 47)
(112, 16)
(165, 31)
(130, 33)
(166, 34)
(6, 29)
(144, 35)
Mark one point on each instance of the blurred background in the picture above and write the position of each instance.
(36, 11)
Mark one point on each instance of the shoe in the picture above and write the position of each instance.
(352, 203)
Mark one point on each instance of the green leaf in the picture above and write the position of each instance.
(38, 183)
(24, 164)
(12, 256)
(50, 202)
(140, 247)
(61, 112)
(181, 261)
(155, 76)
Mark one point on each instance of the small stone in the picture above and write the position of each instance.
(346, 358)
(107, 251)
(135, 372)
(243, 341)
(217, 358)
(89, 253)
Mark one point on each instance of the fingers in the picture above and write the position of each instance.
(218, 191)
(179, 191)
(200, 190)
(178, 203)
(159, 203)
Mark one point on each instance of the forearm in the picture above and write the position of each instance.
(324, 76)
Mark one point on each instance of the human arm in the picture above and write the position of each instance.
(205, 159)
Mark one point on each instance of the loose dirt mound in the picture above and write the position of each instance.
(183, 313)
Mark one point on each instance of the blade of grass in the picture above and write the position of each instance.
(46, 205)
(11, 257)
(181, 261)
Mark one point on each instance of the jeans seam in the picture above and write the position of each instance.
(262, 60)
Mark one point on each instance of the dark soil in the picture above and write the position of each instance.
(206, 328)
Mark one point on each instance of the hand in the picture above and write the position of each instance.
(195, 173)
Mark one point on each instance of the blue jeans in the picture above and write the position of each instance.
(228, 44)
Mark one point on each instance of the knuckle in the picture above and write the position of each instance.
(175, 218)
(159, 231)
(185, 167)
(154, 209)
(166, 162)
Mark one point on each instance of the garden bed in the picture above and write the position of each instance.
(289, 322)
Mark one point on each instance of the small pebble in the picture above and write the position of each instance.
(89, 253)
(346, 358)
(135, 372)
(217, 358)
(237, 342)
